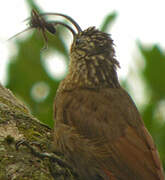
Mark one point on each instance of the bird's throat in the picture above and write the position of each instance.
(91, 72)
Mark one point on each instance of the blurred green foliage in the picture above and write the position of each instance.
(154, 112)
(26, 72)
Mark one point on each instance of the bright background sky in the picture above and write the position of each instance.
(142, 20)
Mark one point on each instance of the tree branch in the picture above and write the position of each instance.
(17, 124)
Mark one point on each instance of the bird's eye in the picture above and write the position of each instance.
(77, 41)
(80, 42)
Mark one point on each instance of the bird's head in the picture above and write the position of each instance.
(92, 59)
(91, 42)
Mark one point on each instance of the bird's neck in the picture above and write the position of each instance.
(92, 72)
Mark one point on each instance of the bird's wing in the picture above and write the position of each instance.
(126, 149)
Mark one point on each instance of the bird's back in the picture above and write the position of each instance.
(110, 133)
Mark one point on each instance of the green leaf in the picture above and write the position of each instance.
(108, 21)
(154, 71)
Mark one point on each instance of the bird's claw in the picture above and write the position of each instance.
(51, 156)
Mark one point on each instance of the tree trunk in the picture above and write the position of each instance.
(17, 124)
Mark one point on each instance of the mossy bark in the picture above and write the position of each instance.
(17, 124)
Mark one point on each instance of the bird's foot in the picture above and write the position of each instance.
(57, 167)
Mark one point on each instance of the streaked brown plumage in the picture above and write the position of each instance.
(97, 126)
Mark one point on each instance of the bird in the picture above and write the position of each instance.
(98, 127)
